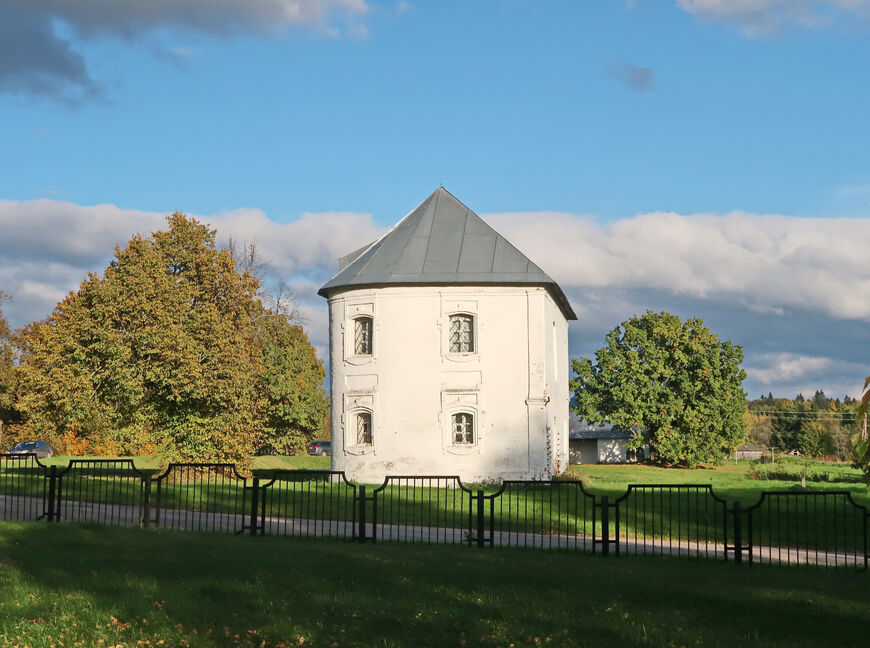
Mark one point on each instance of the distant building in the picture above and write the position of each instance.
(591, 443)
(448, 354)
(749, 451)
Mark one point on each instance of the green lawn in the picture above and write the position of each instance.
(743, 480)
(90, 586)
(560, 509)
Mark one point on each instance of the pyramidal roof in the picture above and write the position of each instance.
(441, 242)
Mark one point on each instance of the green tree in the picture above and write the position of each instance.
(814, 440)
(7, 377)
(862, 444)
(162, 354)
(297, 407)
(673, 381)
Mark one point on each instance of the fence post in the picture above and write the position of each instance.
(361, 533)
(738, 535)
(605, 526)
(480, 518)
(146, 501)
(255, 503)
(52, 492)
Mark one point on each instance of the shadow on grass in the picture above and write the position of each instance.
(66, 583)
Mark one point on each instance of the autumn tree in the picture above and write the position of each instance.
(7, 376)
(862, 446)
(168, 352)
(674, 383)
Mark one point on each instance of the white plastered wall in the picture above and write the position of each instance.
(515, 384)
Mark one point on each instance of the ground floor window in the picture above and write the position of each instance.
(364, 429)
(463, 428)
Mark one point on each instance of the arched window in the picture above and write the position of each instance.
(461, 333)
(463, 428)
(362, 336)
(364, 429)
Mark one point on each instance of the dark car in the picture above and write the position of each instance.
(322, 448)
(40, 449)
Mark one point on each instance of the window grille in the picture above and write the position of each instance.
(461, 334)
(463, 429)
(362, 337)
(364, 429)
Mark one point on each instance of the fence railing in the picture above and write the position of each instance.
(823, 528)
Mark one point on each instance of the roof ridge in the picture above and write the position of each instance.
(462, 242)
(457, 247)
(434, 211)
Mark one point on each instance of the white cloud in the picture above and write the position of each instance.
(769, 263)
(794, 292)
(759, 17)
(786, 367)
(48, 246)
(35, 59)
(133, 17)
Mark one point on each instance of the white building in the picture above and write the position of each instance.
(448, 354)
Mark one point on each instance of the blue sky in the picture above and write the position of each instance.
(540, 114)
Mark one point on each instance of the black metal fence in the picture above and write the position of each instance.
(822, 528)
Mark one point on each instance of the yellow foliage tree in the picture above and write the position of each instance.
(161, 353)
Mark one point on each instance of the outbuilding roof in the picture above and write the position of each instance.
(442, 242)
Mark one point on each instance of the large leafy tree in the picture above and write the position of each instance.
(673, 382)
(166, 353)
(862, 446)
(7, 376)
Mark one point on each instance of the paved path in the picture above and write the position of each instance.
(31, 508)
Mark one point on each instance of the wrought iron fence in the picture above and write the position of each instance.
(807, 527)
(557, 515)
(309, 503)
(107, 491)
(23, 487)
(681, 520)
(204, 497)
(433, 509)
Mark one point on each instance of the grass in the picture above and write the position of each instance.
(742, 481)
(71, 585)
(822, 522)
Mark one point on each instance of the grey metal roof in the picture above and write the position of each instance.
(590, 435)
(442, 242)
(580, 428)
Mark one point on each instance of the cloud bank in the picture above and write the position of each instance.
(38, 59)
(763, 17)
(795, 292)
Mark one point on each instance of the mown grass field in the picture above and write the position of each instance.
(561, 509)
(742, 480)
(71, 585)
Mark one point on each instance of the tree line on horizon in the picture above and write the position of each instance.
(819, 426)
(172, 351)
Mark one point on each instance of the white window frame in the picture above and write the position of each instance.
(464, 402)
(463, 444)
(353, 311)
(357, 321)
(462, 356)
(351, 444)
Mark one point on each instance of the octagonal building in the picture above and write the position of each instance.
(448, 354)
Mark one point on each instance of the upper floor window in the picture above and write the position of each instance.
(362, 336)
(364, 429)
(461, 333)
(463, 428)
